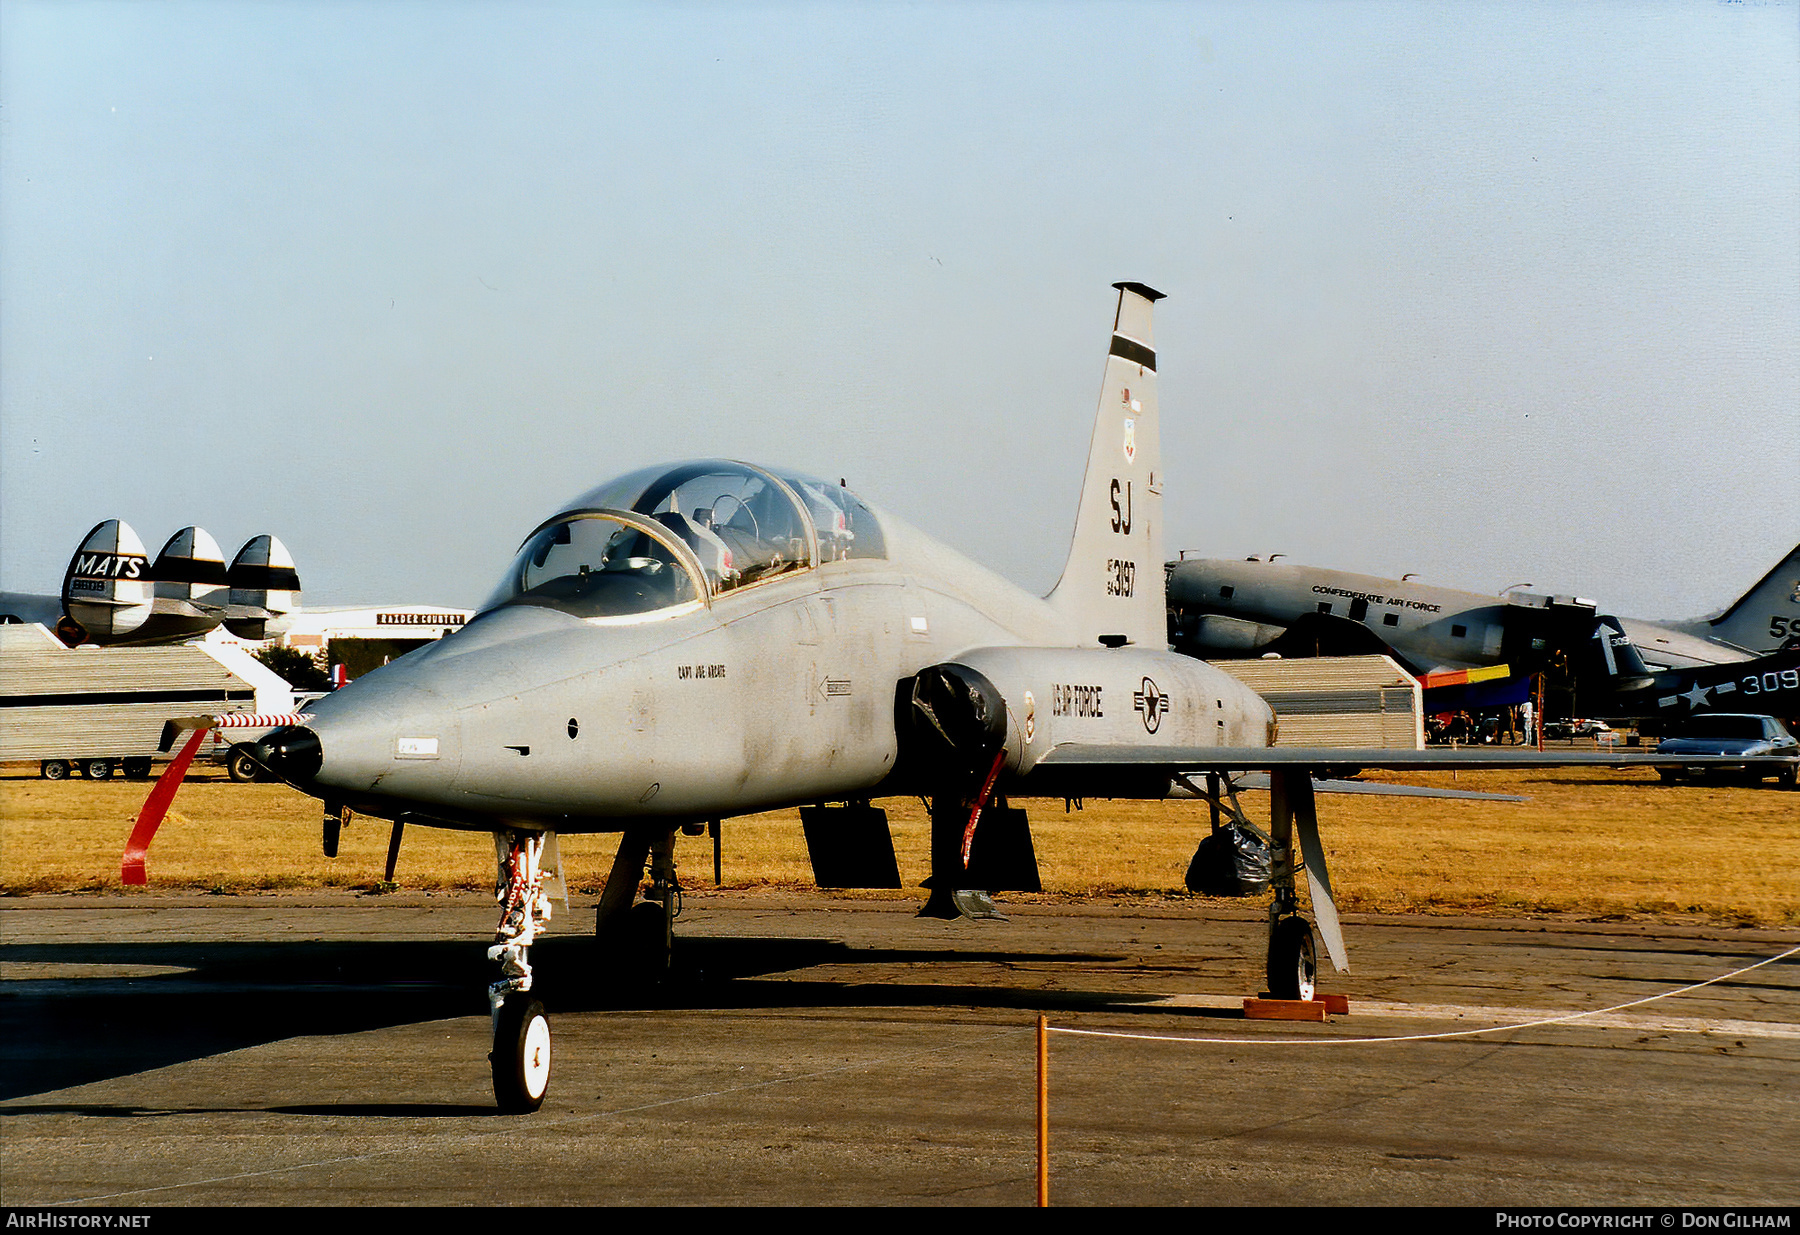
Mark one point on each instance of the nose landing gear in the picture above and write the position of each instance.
(521, 1054)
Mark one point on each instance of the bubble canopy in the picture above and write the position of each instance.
(671, 537)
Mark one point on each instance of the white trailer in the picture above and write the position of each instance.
(1337, 700)
(93, 709)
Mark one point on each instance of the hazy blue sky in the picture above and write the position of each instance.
(1495, 293)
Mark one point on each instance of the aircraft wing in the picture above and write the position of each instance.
(27, 607)
(1176, 759)
(1132, 771)
(1260, 780)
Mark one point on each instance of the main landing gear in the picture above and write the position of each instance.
(521, 1054)
(638, 938)
(1292, 965)
(1293, 968)
(653, 918)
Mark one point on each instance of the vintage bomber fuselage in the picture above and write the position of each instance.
(746, 694)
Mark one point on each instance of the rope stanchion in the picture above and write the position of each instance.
(1043, 1112)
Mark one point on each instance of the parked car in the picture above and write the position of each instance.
(1727, 733)
(1575, 728)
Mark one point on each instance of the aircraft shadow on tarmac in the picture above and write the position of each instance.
(113, 1015)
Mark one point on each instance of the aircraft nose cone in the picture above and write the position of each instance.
(382, 734)
(294, 754)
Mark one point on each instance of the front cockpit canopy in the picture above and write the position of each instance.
(667, 537)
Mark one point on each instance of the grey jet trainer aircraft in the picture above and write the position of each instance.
(698, 641)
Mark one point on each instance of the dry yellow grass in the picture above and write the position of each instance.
(1594, 843)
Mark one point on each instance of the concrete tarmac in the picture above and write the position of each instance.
(300, 1050)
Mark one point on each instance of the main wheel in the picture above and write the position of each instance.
(97, 769)
(137, 769)
(652, 940)
(54, 769)
(521, 1055)
(1293, 968)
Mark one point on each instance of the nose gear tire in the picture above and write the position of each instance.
(521, 1055)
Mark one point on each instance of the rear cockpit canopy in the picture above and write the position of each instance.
(670, 537)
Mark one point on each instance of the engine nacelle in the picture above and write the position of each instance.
(1128, 697)
(1215, 632)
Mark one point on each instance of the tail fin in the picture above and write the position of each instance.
(106, 590)
(1768, 615)
(1112, 587)
(265, 589)
(190, 588)
(1610, 661)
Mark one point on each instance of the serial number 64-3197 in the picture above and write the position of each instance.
(1121, 577)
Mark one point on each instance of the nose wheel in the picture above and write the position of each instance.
(1293, 965)
(521, 1055)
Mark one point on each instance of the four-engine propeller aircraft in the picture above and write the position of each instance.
(713, 638)
(114, 595)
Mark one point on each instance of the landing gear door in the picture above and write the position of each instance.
(556, 889)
